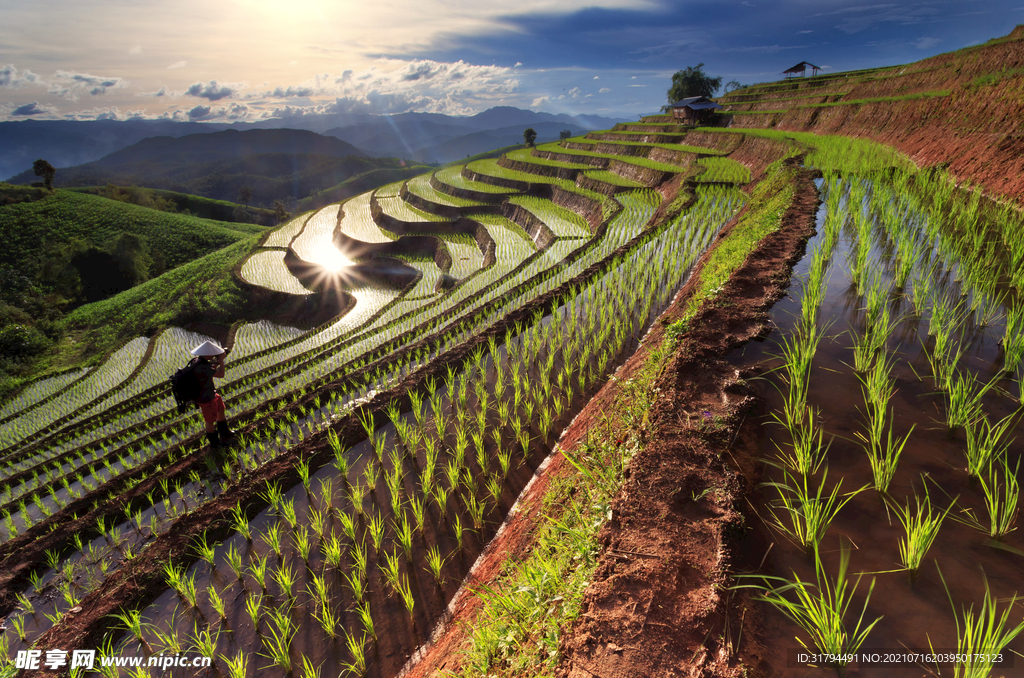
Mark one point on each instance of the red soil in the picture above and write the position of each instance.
(976, 129)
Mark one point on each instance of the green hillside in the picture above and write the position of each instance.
(66, 248)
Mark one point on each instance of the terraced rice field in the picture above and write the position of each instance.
(377, 454)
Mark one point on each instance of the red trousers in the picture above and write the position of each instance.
(212, 411)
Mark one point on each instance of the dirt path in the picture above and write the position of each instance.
(656, 606)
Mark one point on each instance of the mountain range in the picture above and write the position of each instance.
(425, 137)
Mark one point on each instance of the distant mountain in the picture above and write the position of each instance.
(277, 164)
(72, 142)
(229, 144)
(65, 143)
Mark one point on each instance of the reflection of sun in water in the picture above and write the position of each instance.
(328, 256)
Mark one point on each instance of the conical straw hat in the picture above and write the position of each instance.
(207, 348)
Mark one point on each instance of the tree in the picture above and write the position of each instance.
(691, 82)
(133, 257)
(280, 212)
(733, 85)
(46, 171)
(245, 195)
(565, 134)
(529, 136)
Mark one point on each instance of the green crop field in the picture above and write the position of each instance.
(404, 360)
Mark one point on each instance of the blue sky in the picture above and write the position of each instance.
(252, 59)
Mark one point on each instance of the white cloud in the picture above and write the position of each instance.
(34, 108)
(604, 90)
(925, 43)
(9, 77)
(212, 91)
(95, 84)
(597, 77)
(137, 49)
(574, 92)
(177, 64)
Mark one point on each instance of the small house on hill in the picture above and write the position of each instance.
(801, 68)
(693, 109)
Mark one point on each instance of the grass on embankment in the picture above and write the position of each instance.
(524, 613)
(769, 202)
(202, 289)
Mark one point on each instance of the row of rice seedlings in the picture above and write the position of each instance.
(421, 187)
(640, 161)
(724, 170)
(820, 609)
(97, 385)
(402, 532)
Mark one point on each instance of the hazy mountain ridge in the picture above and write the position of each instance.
(66, 143)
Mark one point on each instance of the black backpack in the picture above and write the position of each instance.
(185, 385)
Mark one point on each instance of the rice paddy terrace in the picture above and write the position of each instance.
(392, 505)
(379, 452)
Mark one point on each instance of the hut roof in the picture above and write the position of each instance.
(696, 103)
(801, 67)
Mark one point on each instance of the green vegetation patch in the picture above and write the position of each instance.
(725, 170)
(203, 289)
(64, 215)
(769, 202)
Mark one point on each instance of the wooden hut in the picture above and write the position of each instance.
(693, 109)
(801, 68)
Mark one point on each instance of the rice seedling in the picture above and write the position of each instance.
(435, 563)
(356, 583)
(18, 624)
(419, 512)
(964, 400)
(238, 666)
(883, 453)
(253, 608)
(366, 619)
(286, 511)
(803, 516)
(309, 670)
(272, 538)
(985, 442)
(459, 529)
(403, 534)
(258, 570)
(318, 521)
(234, 558)
(820, 609)
(981, 636)
(357, 651)
(375, 526)
(131, 621)
(921, 526)
(278, 641)
(1002, 493)
(303, 544)
(809, 448)
(25, 603)
(360, 561)
(286, 578)
(331, 548)
(1012, 343)
(217, 603)
(348, 525)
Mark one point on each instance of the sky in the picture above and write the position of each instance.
(247, 60)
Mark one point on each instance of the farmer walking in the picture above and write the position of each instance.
(210, 364)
